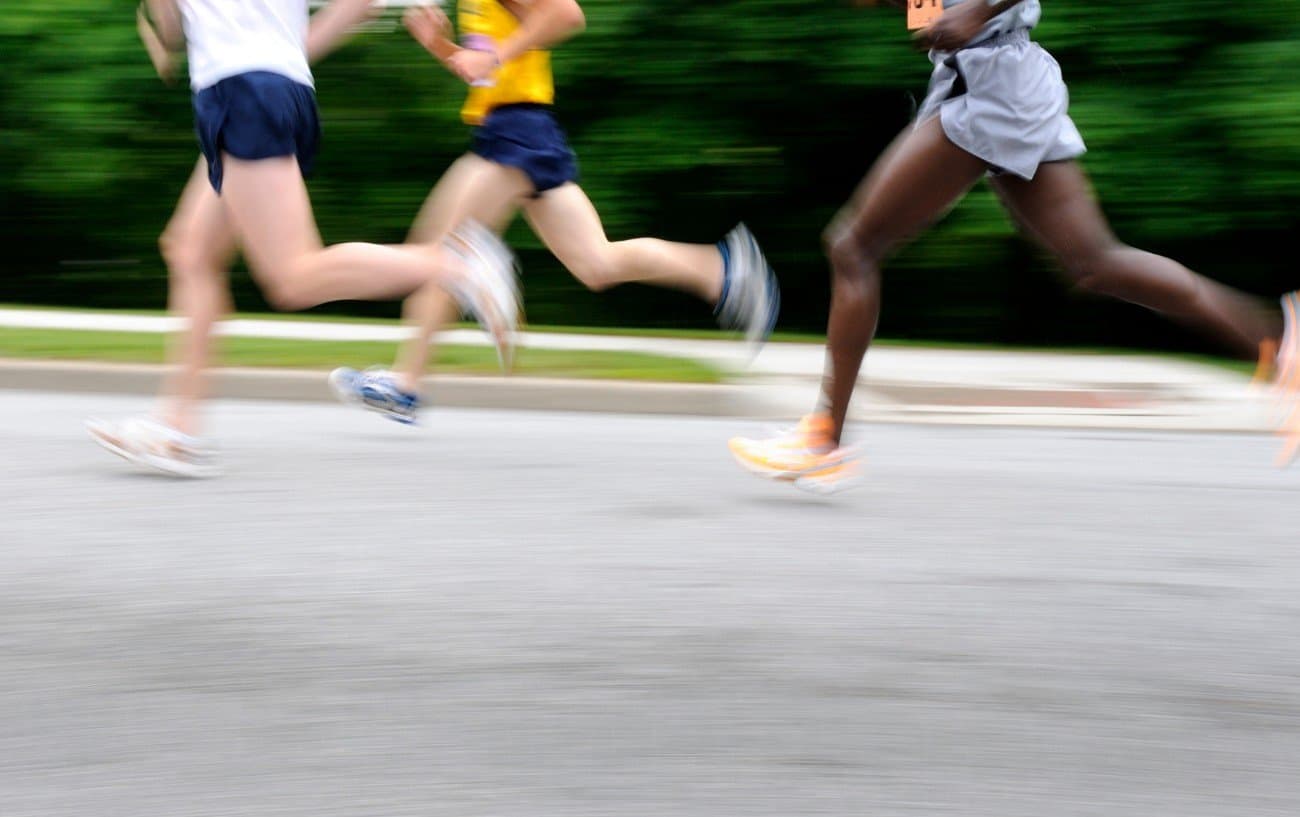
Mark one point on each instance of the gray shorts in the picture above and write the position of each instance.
(1003, 100)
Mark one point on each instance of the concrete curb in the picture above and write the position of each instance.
(1153, 408)
(554, 394)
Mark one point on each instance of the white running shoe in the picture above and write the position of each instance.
(145, 441)
(491, 294)
(751, 298)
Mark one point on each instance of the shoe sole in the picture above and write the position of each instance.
(154, 463)
(812, 480)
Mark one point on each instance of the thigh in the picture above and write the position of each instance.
(910, 187)
(472, 187)
(1057, 209)
(200, 223)
(267, 204)
(567, 223)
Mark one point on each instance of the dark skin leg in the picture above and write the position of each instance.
(1058, 210)
(912, 185)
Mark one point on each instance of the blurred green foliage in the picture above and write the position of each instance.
(688, 116)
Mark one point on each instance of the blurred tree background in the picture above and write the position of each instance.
(687, 117)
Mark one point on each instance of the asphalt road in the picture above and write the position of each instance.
(506, 614)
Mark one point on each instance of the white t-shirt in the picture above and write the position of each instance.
(1022, 15)
(229, 37)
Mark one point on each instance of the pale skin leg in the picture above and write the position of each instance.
(198, 246)
(567, 222)
(1058, 210)
(472, 188)
(266, 202)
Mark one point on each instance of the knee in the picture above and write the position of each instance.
(184, 254)
(841, 248)
(852, 259)
(287, 298)
(286, 292)
(177, 252)
(1089, 269)
(596, 272)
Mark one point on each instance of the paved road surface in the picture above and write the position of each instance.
(532, 615)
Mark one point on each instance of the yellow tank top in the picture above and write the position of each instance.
(526, 78)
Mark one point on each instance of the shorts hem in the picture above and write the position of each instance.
(540, 186)
(996, 168)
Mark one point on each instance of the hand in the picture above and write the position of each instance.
(427, 24)
(956, 27)
(473, 66)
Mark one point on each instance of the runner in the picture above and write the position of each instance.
(996, 107)
(520, 159)
(255, 112)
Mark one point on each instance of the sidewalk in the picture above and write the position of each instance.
(898, 384)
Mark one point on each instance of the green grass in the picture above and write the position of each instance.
(620, 331)
(146, 347)
(383, 351)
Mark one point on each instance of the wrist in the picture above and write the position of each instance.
(481, 43)
(442, 48)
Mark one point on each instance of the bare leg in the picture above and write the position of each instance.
(1060, 212)
(198, 246)
(266, 201)
(473, 188)
(566, 220)
(911, 186)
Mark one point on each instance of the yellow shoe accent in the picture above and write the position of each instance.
(783, 456)
(802, 455)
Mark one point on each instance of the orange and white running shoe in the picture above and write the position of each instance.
(803, 455)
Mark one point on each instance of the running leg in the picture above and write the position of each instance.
(567, 222)
(266, 201)
(913, 185)
(473, 188)
(198, 246)
(1059, 211)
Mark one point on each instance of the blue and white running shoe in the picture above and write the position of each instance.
(751, 297)
(376, 390)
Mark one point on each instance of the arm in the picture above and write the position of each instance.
(166, 19)
(543, 23)
(331, 25)
(958, 25)
(431, 29)
(164, 61)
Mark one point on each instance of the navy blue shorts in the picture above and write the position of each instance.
(258, 115)
(527, 136)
